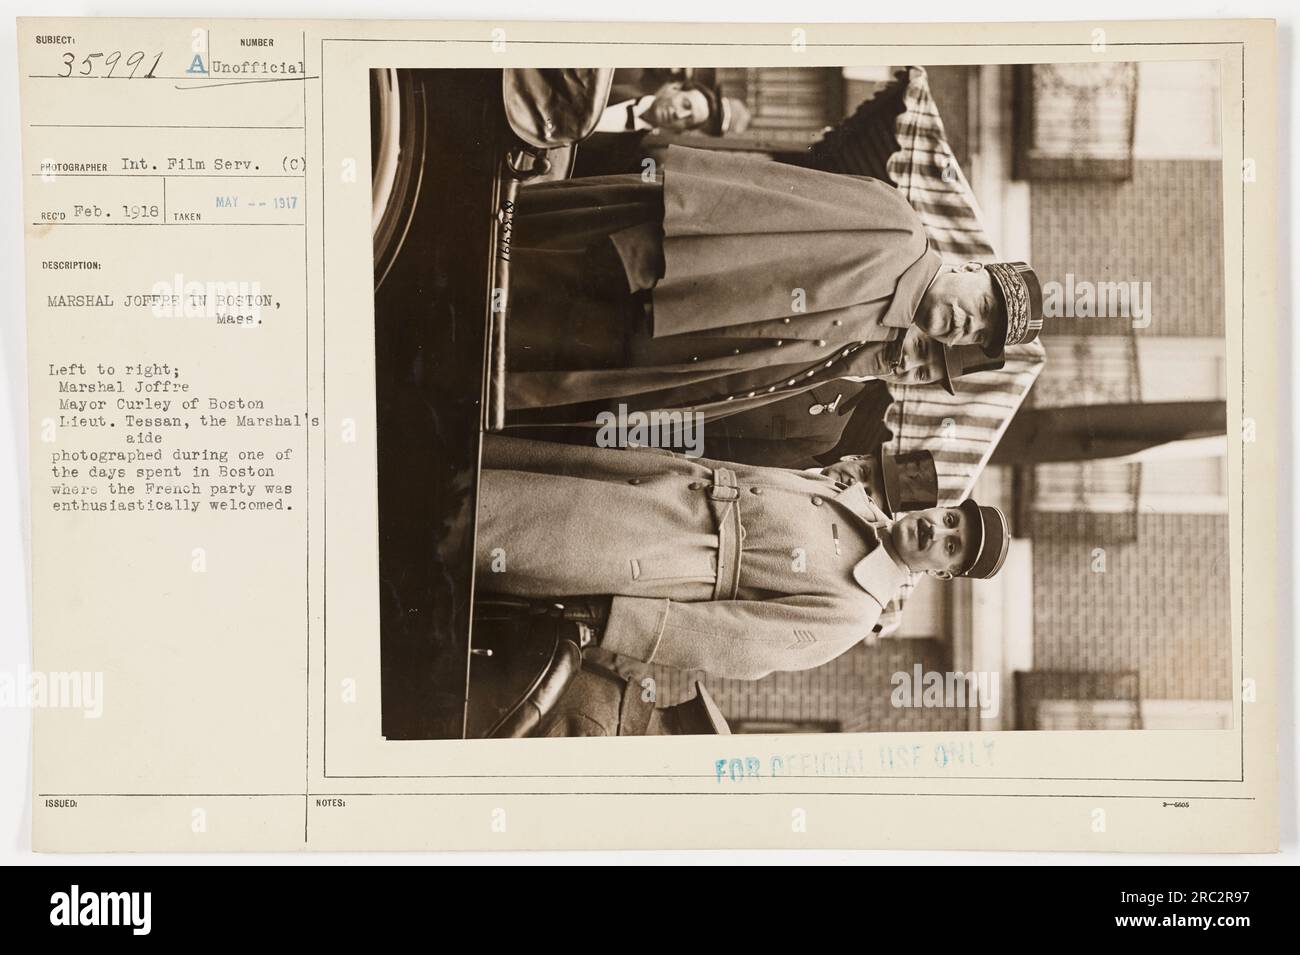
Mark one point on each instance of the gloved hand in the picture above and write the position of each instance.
(589, 610)
(589, 613)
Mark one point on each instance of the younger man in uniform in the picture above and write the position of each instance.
(732, 569)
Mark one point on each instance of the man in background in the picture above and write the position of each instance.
(618, 145)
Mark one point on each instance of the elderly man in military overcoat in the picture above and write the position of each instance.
(732, 569)
(732, 283)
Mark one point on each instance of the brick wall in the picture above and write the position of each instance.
(1165, 226)
(852, 690)
(1161, 607)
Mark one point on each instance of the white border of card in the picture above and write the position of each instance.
(239, 652)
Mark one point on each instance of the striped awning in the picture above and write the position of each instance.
(960, 430)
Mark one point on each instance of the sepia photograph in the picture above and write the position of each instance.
(883, 425)
(801, 400)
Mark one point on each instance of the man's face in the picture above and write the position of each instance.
(922, 359)
(676, 108)
(937, 541)
(960, 307)
(855, 469)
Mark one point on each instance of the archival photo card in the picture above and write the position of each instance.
(464, 435)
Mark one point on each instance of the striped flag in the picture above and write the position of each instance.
(961, 431)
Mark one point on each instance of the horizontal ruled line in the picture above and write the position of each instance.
(148, 126)
(162, 795)
(176, 222)
(657, 792)
(219, 81)
(194, 77)
(170, 175)
(759, 43)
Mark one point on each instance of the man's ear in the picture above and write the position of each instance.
(940, 574)
(853, 457)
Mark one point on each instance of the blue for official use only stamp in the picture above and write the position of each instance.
(950, 755)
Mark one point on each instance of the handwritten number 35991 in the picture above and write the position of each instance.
(93, 64)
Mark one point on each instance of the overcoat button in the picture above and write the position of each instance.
(633, 480)
(695, 485)
(755, 490)
(817, 502)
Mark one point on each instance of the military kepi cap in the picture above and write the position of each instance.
(910, 480)
(961, 360)
(992, 540)
(1018, 289)
(699, 716)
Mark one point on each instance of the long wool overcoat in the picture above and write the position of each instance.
(732, 569)
(730, 283)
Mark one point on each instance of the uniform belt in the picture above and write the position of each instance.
(724, 500)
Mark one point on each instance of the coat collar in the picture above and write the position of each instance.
(614, 117)
(879, 573)
(856, 499)
(912, 286)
